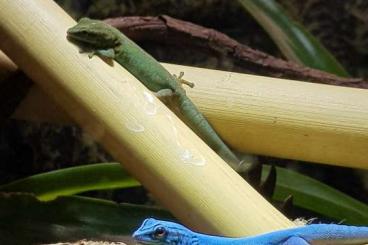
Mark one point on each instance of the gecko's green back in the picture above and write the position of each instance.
(107, 41)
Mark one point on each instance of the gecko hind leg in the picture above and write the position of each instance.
(182, 81)
(295, 241)
(170, 99)
(164, 93)
(166, 96)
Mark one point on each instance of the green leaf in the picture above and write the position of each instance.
(296, 43)
(308, 193)
(26, 220)
(318, 197)
(48, 186)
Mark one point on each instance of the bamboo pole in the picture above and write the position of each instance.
(156, 147)
(284, 118)
(266, 116)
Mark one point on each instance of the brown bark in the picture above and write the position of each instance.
(167, 30)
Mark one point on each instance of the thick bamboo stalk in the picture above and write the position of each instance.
(284, 118)
(267, 116)
(155, 146)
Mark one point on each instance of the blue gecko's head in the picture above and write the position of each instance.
(154, 231)
(93, 33)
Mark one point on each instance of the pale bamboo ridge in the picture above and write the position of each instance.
(6, 66)
(156, 147)
(267, 116)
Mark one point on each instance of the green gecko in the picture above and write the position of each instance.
(108, 42)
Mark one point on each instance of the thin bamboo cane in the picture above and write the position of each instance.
(155, 146)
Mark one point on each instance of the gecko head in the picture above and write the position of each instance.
(93, 34)
(154, 231)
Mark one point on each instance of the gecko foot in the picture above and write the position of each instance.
(182, 81)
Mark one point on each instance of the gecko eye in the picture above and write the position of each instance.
(159, 233)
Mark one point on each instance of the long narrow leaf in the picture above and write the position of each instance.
(26, 220)
(308, 193)
(318, 197)
(293, 40)
(68, 181)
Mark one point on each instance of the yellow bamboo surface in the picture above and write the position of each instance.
(155, 146)
(267, 116)
(284, 118)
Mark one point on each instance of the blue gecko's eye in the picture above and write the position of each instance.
(159, 233)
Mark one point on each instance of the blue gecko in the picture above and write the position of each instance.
(154, 231)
